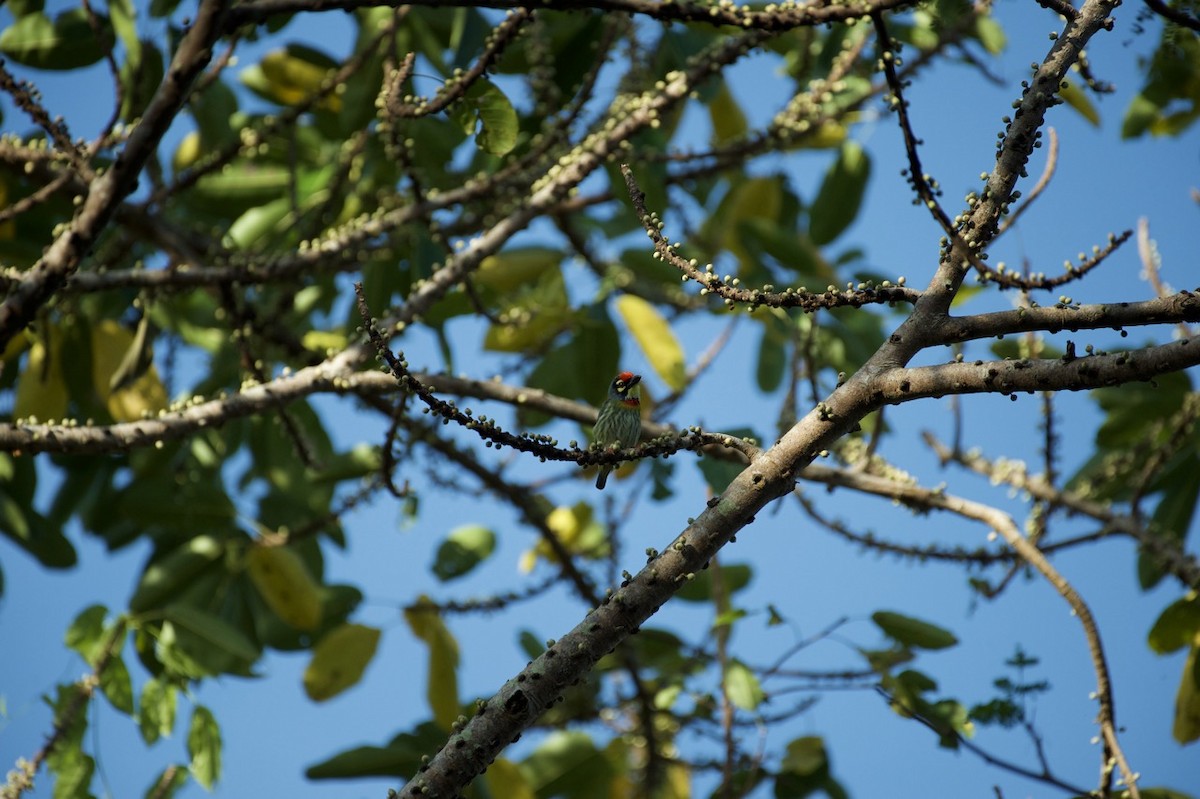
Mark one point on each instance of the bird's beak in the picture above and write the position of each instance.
(633, 381)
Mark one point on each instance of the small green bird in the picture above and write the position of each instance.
(620, 419)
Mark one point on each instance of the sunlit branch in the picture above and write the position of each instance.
(1183, 306)
(728, 288)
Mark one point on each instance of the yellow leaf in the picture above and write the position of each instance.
(285, 585)
(654, 336)
(442, 689)
(1074, 97)
(144, 396)
(324, 340)
(512, 269)
(293, 79)
(41, 390)
(188, 152)
(339, 660)
(504, 778)
(576, 528)
(1187, 703)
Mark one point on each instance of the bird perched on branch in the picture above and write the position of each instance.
(620, 419)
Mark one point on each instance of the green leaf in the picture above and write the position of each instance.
(772, 355)
(657, 341)
(86, 633)
(742, 686)
(1171, 520)
(156, 710)
(913, 632)
(168, 782)
(990, 34)
(1140, 115)
(66, 43)
(486, 107)
(841, 194)
(339, 660)
(400, 758)
(257, 224)
(1074, 97)
(734, 578)
(442, 687)
(719, 473)
(462, 550)
(166, 577)
(71, 767)
(531, 315)
(728, 121)
(204, 747)
(217, 636)
(804, 770)
(1176, 627)
(568, 764)
(1186, 726)
(117, 685)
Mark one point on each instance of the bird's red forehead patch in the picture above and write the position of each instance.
(625, 377)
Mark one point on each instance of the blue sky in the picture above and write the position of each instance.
(272, 732)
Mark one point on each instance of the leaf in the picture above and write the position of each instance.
(913, 632)
(41, 390)
(531, 315)
(486, 107)
(1176, 627)
(506, 271)
(285, 584)
(156, 710)
(256, 224)
(568, 764)
(339, 660)
(442, 687)
(990, 34)
(503, 778)
(67, 42)
(1074, 97)
(728, 121)
(117, 685)
(772, 357)
(656, 339)
(86, 633)
(1171, 520)
(1140, 115)
(166, 577)
(1186, 726)
(217, 635)
(168, 782)
(204, 747)
(734, 578)
(742, 686)
(578, 531)
(462, 550)
(71, 767)
(841, 194)
(291, 76)
(400, 758)
(141, 397)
